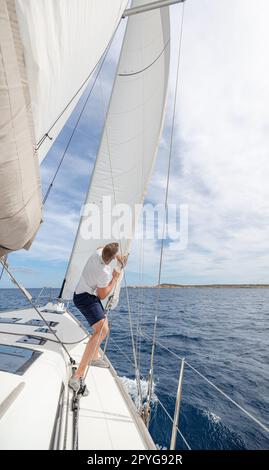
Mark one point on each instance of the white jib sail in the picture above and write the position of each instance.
(131, 133)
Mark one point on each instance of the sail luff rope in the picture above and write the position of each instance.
(263, 426)
(165, 216)
(38, 312)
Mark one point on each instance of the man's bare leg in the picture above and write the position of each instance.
(91, 352)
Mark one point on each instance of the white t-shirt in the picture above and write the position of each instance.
(95, 274)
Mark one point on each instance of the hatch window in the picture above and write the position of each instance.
(45, 330)
(15, 359)
(9, 319)
(36, 322)
(32, 340)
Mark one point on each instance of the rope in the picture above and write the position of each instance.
(263, 426)
(140, 301)
(38, 312)
(3, 260)
(165, 215)
(141, 264)
(43, 337)
(122, 352)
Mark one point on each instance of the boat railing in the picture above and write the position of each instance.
(174, 421)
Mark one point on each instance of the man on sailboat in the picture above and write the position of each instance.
(96, 283)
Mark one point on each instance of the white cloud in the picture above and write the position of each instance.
(220, 164)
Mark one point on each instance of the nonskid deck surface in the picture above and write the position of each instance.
(36, 403)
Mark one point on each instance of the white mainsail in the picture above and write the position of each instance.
(131, 132)
(47, 50)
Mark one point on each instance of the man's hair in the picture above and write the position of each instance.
(109, 251)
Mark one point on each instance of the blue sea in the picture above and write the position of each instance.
(222, 332)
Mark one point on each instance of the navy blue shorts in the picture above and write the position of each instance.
(90, 306)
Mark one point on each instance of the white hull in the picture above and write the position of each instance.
(36, 403)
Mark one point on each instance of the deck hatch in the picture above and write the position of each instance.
(32, 340)
(9, 319)
(15, 359)
(36, 322)
(45, 330)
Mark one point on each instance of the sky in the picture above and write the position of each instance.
(220, 164)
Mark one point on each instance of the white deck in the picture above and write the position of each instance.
(35, 407)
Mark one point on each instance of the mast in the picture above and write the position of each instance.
(149, 7)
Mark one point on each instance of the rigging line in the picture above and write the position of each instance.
(137, 372)
(148, 66)
(162, 405)
(141, 264)
(165, 210)
(4, 258)
(38, 312)
(140, 303)
(122, 352)
(39, 295)
(264, 427)
(41, 140)
(12, 333)
(178, 430)
(162, 345)
(73, 132)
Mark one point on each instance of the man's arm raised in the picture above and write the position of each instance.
(103, 292)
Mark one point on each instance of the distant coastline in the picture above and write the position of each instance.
(206, 286)
(176, 286)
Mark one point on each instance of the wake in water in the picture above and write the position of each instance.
(211, 416)
(131, 387)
